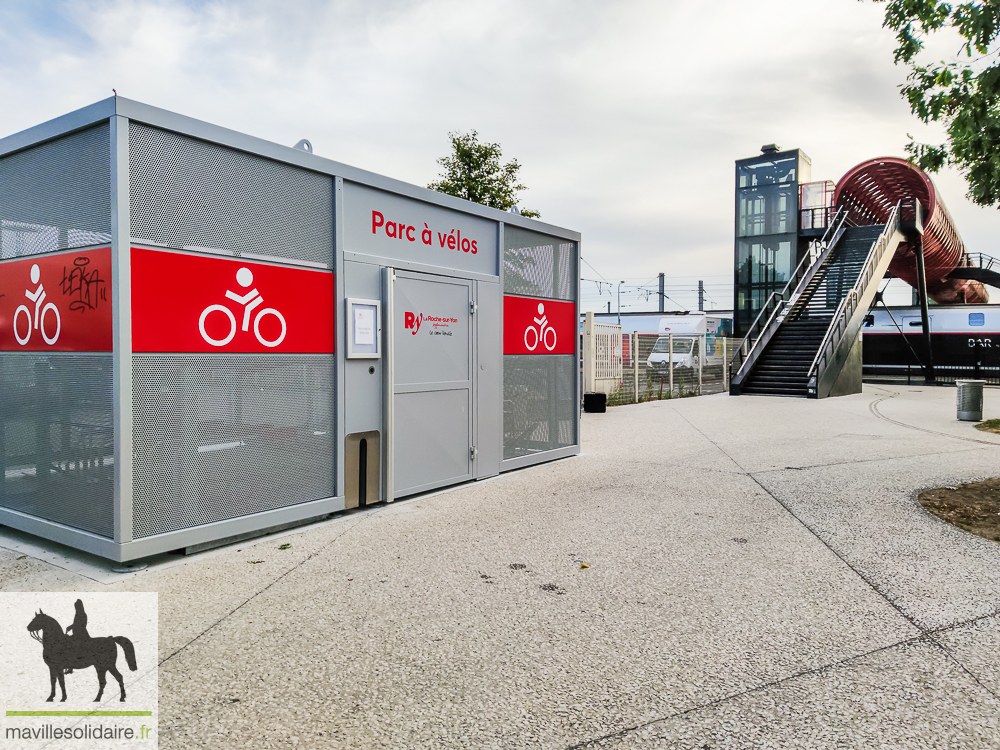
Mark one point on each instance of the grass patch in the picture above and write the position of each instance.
(990, 425)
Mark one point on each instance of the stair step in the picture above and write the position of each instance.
(802, 366)
(778, 382)
(802, 393)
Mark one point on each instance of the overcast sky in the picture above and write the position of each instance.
(626, 115)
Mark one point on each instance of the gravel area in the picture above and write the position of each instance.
(758, 573)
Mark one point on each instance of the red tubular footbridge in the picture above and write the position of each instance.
(872, 189)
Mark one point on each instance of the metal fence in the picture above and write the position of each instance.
(656, 367)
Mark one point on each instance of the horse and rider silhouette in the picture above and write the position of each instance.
(63, 653)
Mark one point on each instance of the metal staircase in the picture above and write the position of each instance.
(802, 339)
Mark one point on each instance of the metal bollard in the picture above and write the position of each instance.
(969, 399)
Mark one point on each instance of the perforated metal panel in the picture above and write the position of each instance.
(537, 265)
(56, 438)
(217, 437)
(186, 193)
(56, 196)
(539, 403)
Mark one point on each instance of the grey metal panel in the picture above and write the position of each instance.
(501, 231)
(56, 438)
(189, 194)
(388, 386)
(533, 459)
(489, 396)
(163, 118)
(363, 411)
(432, 439)
(206, 131)
(153, 545)
(221, 436)
(417, 231)
(121, 307)
(340, 334)
(59, 126)
(56, 532)
(432, 396)
(57, 195)
(437, 348)
(579, 350)
(227, 528)
(537, 265)
(540, 410)
(419, 267)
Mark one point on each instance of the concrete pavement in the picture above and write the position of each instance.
(761, 575)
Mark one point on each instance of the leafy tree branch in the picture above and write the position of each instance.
(474, 171)
(963, 95)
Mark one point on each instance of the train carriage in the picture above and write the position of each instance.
(965, 340)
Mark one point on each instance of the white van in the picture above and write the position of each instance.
(687, 330)
(686, 353)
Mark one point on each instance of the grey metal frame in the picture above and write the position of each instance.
(388, 387)
(340, 331)
(350, 302)
(121, 279)
(119, 111)
(520, 462)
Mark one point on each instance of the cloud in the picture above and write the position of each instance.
(626, 116)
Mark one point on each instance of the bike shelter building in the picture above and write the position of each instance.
(205, 335)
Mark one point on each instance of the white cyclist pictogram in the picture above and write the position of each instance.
(37, 322)
(541, 333)
(250, 301)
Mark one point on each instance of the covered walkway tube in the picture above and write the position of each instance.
(872, 189)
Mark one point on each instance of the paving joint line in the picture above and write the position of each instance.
(926, 636)
(268, 586)
(364, 516)
(868, 460)
(808, 528)
(884, 596)
(749, 691)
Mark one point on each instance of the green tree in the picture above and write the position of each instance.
(474, 171)
(962, 95)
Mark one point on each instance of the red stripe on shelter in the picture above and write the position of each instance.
(57, 303)
(197, 303)
(538, 326)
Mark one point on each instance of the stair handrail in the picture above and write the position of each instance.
(779, 299)
(980, 260)
(847, 307)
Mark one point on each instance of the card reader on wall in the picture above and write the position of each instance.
(364, 328)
